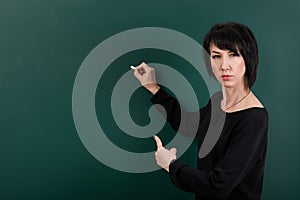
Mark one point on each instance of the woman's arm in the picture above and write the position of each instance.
(185, 122)
(245, 152)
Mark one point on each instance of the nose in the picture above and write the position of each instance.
(225, 63)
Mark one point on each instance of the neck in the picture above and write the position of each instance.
(233, 95)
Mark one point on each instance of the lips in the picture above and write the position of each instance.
(226, 77)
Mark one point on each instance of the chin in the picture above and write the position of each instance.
(228, 85)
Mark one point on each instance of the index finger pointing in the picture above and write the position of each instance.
(158, 142)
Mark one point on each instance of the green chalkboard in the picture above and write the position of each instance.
(44, 43)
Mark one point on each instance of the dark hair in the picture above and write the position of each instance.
(237, 38)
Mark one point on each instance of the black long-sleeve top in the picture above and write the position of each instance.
(234, 168)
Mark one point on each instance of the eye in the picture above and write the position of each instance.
(234, 55)
(215, 56)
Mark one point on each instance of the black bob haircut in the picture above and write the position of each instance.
(237, 38)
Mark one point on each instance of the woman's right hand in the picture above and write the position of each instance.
(146, 75)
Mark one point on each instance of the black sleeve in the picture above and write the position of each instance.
(185, 122)
(244, 151)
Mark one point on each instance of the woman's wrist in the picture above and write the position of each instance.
(168, 167)
(152, 87)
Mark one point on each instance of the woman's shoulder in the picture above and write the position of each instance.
(251, 109)
(250, 102)
(254, 101)
(251, 116)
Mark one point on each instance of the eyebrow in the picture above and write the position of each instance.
(220, 53)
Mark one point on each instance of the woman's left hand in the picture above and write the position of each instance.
(164, 156)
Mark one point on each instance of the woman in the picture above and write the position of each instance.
(234, 168)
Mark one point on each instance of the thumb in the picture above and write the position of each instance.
(173, 151)
(158, 142)
(137, 74)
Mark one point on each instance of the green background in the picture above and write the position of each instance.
(42, 45)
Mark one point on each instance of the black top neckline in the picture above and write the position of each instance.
(244, 110)
(218, 96)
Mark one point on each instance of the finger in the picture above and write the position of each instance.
(158, 142)
(140, 69)
(132, 67)
(173, 151)
(137, 74)
(144, 66)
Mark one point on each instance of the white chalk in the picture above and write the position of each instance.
(132, 67)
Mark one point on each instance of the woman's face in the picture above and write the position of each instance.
(228, 67)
